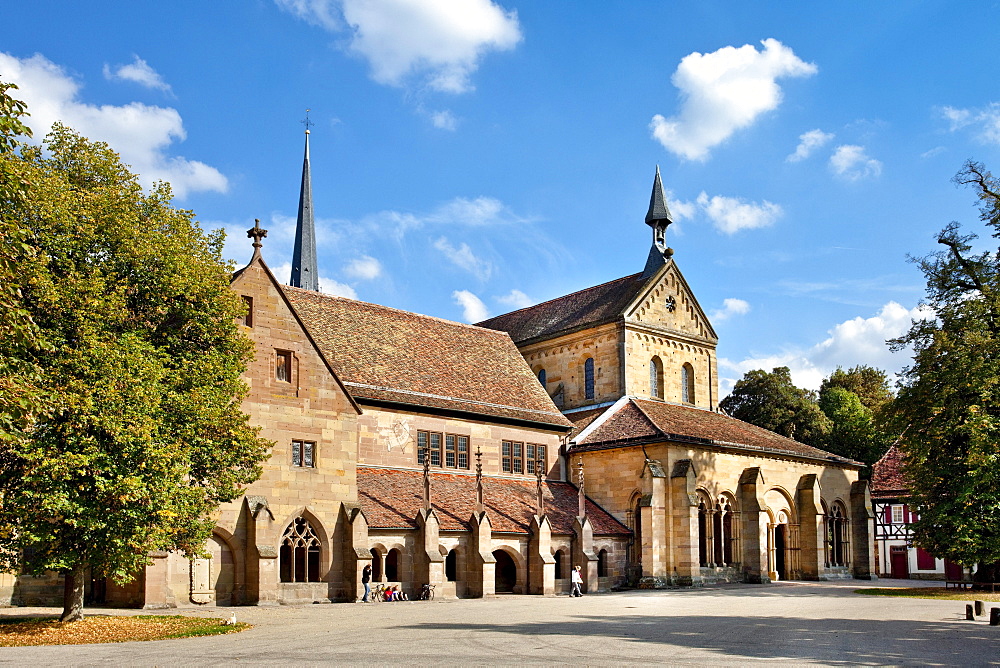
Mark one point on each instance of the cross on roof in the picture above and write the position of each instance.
(256, 233)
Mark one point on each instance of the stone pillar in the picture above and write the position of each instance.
(583, 553)
(543, 564)
(156, 585)
(753, 512)
(357, 553)
(481, 562)
(262, 555)
(684, 496)
(655, 548)
(862, 532)
(812, 554)
(428, 566)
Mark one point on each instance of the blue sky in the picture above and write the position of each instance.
(474, 157)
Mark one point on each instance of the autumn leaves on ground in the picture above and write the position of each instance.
(24, 631)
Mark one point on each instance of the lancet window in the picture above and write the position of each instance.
(299, 554)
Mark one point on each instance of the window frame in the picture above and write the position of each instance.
(437, 445)
(514, 457)
(248, 318)
(589, 380)
(303, 451)
(285, 368)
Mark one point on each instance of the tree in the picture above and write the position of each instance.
(136, 361)
(772, 401)
(949, 398)
(855, 402)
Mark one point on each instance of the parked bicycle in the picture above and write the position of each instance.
(427, 593)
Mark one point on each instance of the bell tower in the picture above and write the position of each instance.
(658, 217)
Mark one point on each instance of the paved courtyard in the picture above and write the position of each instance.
(793, 623)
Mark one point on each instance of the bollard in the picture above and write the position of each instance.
(980, 608)
(969, 615)
(994, 616)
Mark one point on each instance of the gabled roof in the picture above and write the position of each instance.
(644, 421)
(579, 310)
(888, 480)
(391, 499)
(391, 356)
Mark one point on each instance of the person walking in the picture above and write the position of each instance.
(577, 582)
(366, 578)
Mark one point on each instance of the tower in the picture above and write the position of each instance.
(304, 270)
(658, 217)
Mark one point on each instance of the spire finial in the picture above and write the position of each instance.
(480, 505)
(658, 217)
(305, 273)
(581, 495)
(256, 233)
(427, 478)
(540, 501)
(306, 122)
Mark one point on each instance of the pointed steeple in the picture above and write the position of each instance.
(305, 273)
(658, 217)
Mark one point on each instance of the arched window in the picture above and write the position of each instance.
(687, 384)
(728, 535)
(541, 377)
(588, 378)
(656, 378)
(602, 564)
(376, 565)
(836, 536)
(560, 573)
(299, 554)
(451, 566)
(392, 565)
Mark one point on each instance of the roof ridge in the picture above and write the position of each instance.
(555, 299)
(397, 310)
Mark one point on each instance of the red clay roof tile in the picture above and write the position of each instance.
(385, 354)
(392, 498)
(888, 480)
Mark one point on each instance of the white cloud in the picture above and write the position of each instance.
(444, 120)
(809, 142)
(138, 71)
(473, 308)
(516, 300)
(932, 152)
(464, 258)
(283, 273)
(850, 343)
(437, 41)
(732, 214)
(987, 119)
(852, 163)
(364, 268)
(730, 307)
(724, 91)
(477, 212)
(141, 134)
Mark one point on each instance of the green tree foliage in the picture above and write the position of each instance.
(772, 401)
(949, 398)
(136, 361)
(855, 401)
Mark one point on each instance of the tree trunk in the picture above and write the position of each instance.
(987, 572)
(73, 595)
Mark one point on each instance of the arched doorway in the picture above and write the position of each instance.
(222, 570)
(376, 565)
(392, 565)
(451, 566)
(780, 543)
(506, 572)
(560, 564)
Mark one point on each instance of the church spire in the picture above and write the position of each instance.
(305, 273)
(658, 217)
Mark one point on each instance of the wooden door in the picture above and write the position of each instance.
(899, 562)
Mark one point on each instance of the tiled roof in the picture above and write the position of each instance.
(385, 354)
(392, 498)
(642, 420)
(582, 419)
(887, 475)
(586, 308)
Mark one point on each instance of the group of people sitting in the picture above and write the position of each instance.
(394, 593)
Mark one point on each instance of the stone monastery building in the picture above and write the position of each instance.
(494, 458)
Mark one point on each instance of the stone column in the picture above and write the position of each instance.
(481, 562)
(808, 500)
(753, 513)
(428, 566)
(684, 496)
(262, 556)
(862, 532)
(654, 517)
(357, 553)
(583, 553)
(543, 564)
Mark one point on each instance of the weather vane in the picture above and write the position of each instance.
(306, 122)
